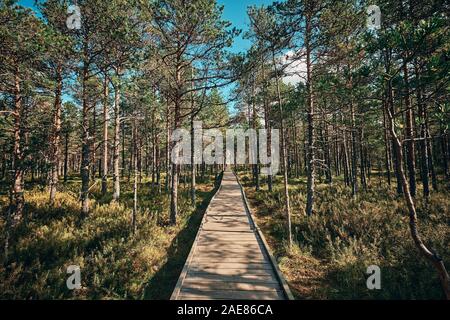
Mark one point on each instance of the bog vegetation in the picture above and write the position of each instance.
(86, 117)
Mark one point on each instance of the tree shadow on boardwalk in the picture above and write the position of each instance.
(161, 285)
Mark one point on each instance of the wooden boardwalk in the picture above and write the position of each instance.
(229, 258)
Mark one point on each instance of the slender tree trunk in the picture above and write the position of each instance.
(424, 172)
(116, 151)
(354, 151)
(175, 166)
(363, 160)
(105, 136)
(444, 150)
(409, 134)
(175, 176)
(267, 126)
(136, 176)
(193, 131)
(283, 153)
(431, 160)
(387, 157)
(254, 125)
(390, 107)
(4, 163)
(158, 164)
(86, 143)
(167, 147)
(326, 152)
(345, 159)
(192, 166)
(93, 142)
(17, 200)
(310, 122)
(66, 156)
(56, 150)
(123, 146)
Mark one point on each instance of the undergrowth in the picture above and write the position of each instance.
(115, 264)
(345, 235)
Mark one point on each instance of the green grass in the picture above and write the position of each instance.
(115, 264)
(334, 247)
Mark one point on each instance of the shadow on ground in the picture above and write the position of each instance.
(161, 285)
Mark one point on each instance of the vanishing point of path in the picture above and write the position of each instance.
(229, 258)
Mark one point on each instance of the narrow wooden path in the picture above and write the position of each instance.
(229, 258)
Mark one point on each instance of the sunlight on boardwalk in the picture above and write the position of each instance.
(228, 259)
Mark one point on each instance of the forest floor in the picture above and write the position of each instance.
(332, 251)
(334, 247)
(115, 264)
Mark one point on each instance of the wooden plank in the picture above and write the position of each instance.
(208, 285)
(226, 216)
(229, 260)
(230, 295)
(229, 272)
(224, 238)
(229, 245)
(230, 253)
(229, 232)
(253, 278)
(226, 223)
(231, 265)
(216, 227)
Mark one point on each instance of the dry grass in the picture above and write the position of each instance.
(115, 264)
(334, 247)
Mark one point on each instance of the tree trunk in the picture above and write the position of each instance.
(390, 107)
(254, 126)
(116, 151)
(66, 156)
(136, 174)
(193, 132)
(363, 160)
(310, 122)
(283, 153)
(105, 136)
(409, 134)
(17, 200)
(354, 151)
(93, 143)
(86, 144)
(425, 171)
(174, 176)
(56, 150)
(429, 144)
(387, 153)
(326, 152)
(175, 166)
(444, 150)
(345, 159)
(167, 146)
(267, 126)
(192, 166)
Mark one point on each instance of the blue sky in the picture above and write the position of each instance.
(235, 11)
